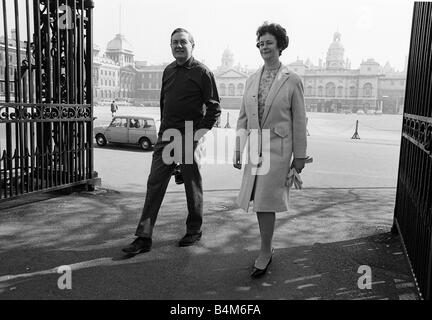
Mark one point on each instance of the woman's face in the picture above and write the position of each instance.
(267, 45)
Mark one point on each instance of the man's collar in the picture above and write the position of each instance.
(188, 64)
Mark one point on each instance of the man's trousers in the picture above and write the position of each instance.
(160, 175)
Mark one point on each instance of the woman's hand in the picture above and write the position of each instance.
(237, 160)
(298, 164)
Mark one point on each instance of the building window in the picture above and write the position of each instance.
(240, 88)
(309, 91)
(340, 91)
(231, 89)
(352, 92)
(330, 89)
(320, 91)
(367, 90)
(222, 89)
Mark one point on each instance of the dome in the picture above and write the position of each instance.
(119, 43)
(227, 54)
(336, 44)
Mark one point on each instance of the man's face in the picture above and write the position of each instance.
(181, 46)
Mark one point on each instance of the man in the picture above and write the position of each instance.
(114, 108)
(187, 85)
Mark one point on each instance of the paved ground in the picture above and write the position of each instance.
(319, 247)
(338, 224)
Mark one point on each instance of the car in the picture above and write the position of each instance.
(134, 130)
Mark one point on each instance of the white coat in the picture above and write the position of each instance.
(280, 136)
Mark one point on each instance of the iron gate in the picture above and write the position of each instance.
(413, 211)
(46, 114)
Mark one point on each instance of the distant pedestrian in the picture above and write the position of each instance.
(273, 103)
(114, 108)
(187, 85)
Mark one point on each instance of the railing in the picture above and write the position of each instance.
(46, 124)
(413, 211)
(51, 148)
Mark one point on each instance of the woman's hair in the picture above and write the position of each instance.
(277, 31)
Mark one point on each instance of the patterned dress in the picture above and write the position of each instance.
(267, 78)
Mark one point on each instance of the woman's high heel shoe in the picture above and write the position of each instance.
(256, 272)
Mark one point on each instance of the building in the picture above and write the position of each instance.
(106, 77)
(114, 71)
(148, 83)
(117, 76)
(334, 87)
(12, 63)
(392, 90)
(231, 81)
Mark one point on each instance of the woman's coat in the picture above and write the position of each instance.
(280, 135)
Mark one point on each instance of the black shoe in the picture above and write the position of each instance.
(256, 272)
(139, 245)
(189, 239)
(178, 177)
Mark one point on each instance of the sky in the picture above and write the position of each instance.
(378, 29)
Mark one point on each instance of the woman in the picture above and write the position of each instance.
(272, 109)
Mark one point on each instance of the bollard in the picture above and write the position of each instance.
(227, 126)
(356, 135)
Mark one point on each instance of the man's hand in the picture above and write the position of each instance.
(298, 164)
(237, 160)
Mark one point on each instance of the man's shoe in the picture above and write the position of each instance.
(139, 245)
(189, 239)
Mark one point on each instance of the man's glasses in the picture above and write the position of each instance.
(175, 43)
